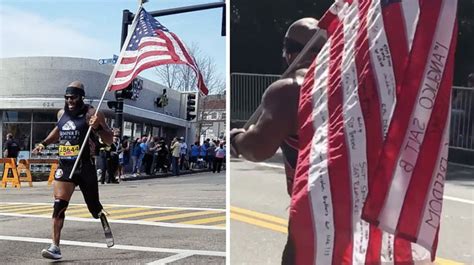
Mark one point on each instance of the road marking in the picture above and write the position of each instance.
(178, 216)
(134, 222)
(205, 220)
(170, 259)
(20, 204)
(126, 210)
(142, 214)
(242, 218)
(26, 208)
(440, 261)
(48, 210)
(121, 247)
(263, 216)
(258, 222)
(458, 199)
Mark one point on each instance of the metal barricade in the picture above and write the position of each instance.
(246, 92)
(462, 119)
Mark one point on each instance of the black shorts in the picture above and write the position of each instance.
(85, 170)
(85, 177)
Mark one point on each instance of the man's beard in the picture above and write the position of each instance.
(77, 110)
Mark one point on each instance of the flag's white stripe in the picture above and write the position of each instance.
(386, 253)
(381, 62)
(177, 48)
(318, 178)
(121, 80)
(434, 200)
(419, 119)
(146, 39)
(411, 12)
(136, 53)
(354, 131)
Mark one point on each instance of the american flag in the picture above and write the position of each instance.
(151, 44)
(374, 118)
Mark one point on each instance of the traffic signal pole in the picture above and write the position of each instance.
(127, 18)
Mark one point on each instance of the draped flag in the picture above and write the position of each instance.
(151, 44)
(373, 119)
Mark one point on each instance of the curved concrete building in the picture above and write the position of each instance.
(32, 91)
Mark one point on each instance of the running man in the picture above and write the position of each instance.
(73, 123)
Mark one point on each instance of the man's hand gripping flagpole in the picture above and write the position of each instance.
(111, 79)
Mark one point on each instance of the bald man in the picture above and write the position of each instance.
(277, 125)
(73, 122)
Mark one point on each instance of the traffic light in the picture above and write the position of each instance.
(162, 101)
(131, 91)
(191, 107)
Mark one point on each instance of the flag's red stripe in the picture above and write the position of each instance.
(183, 49)
(301, 221)
(402, 252)
(397, 39)
(417, 191)
(369, 100)
(378, 188)
(338, 169)
(169, 44)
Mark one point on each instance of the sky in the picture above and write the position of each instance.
(92, 28)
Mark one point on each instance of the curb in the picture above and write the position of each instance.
(165, 175)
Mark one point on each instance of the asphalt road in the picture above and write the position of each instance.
(176, 220)
(259, 214)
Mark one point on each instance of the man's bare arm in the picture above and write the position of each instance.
(277, 121)
(98, 124)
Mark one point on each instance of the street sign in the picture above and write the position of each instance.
(109, 61)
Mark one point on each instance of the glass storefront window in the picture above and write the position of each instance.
(16, 116)
(45, 116)
(21, 132)
(156, 131)
(138, 130)
(127, 128)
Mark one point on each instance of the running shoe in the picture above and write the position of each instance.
(53, 252)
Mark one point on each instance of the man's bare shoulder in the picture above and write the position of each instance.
(282, 89)
(60, 114)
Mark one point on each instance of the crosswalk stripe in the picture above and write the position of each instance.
(12, 206)
(178, 216)
(143, 213)
(258, 222)
(114, 211)
(205, 220)
(26, 208)
(262, 216)
(45, 211)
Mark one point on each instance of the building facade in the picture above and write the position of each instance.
(32, 91)
(212, 110)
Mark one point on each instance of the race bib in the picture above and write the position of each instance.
(69, 150)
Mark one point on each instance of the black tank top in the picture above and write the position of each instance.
(289, 147)
(72, 132)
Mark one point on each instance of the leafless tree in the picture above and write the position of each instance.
(183, 78)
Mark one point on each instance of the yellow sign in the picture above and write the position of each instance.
(69, 150)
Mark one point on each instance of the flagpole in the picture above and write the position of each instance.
(319, 35)
(111, 79)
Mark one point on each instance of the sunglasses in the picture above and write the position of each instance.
(71, 97)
